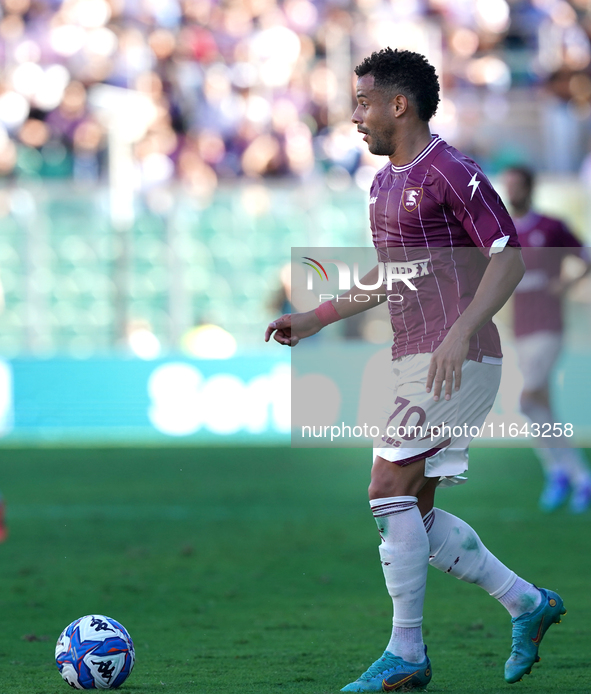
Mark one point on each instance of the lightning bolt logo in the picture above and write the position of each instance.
(474, 185)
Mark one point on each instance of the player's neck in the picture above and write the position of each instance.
(410, 144)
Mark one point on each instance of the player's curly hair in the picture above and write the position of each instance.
(406, 72)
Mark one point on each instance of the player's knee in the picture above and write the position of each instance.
(529, 398)
(530, 403)
(389, 479)
(382, 487)
(526, 404)
(376, 490)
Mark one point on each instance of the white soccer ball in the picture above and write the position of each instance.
(94, 652)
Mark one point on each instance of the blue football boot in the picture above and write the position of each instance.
(555, 492)
(580, 501)
(528, 632)
(390, 673)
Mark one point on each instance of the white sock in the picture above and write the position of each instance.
(522, 597)
(404, 552)
(456, 549)
(559, 457)
(537, 412)
(542, 415)
(407, 642)
(574, 463)
(571, 462)
(549, 460)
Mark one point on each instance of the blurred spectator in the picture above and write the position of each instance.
(243, 88)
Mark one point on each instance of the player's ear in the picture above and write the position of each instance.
(399, 105)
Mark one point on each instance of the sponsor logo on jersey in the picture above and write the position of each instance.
(411, 197)
(474, 183)
(398, 270)
(372, 201)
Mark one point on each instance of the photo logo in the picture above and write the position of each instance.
(388, 274)
(315, 268)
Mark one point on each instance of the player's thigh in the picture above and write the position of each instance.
(536, 355)
(439, 432)
(390, 479)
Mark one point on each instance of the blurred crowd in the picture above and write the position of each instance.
(256, 88)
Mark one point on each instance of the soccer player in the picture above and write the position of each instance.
(432, 205)
(538, 328)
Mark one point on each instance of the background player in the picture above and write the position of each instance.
(427, 201)
(538, 329)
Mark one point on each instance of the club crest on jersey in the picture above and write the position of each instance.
(537, 238)
(411, 197)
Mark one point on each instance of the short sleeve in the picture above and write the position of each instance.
(565, 238)
(571, 245)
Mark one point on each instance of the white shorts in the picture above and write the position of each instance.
(536, 354)
(419, 427)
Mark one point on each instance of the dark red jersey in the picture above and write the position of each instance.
(546, 242)
(440, 215)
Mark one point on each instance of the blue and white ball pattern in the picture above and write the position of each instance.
(95, 652)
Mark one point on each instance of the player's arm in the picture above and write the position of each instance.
(293, 327)
(477, 206)
(561, 286)
(503, 274)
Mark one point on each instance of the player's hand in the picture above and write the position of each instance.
(559, 288)
(281, 331)
(293, 327)
(446, 366)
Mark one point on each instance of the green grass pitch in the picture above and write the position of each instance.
(256, 570)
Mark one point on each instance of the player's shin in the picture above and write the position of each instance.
(404, 553)
(456, 549)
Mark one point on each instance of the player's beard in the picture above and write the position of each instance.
(381, 143)
(521, 206)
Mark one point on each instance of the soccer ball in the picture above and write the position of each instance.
(94, 652)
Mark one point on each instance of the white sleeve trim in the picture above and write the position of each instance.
(498, 244)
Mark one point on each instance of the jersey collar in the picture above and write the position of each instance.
(435, 140)
(528, 221)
